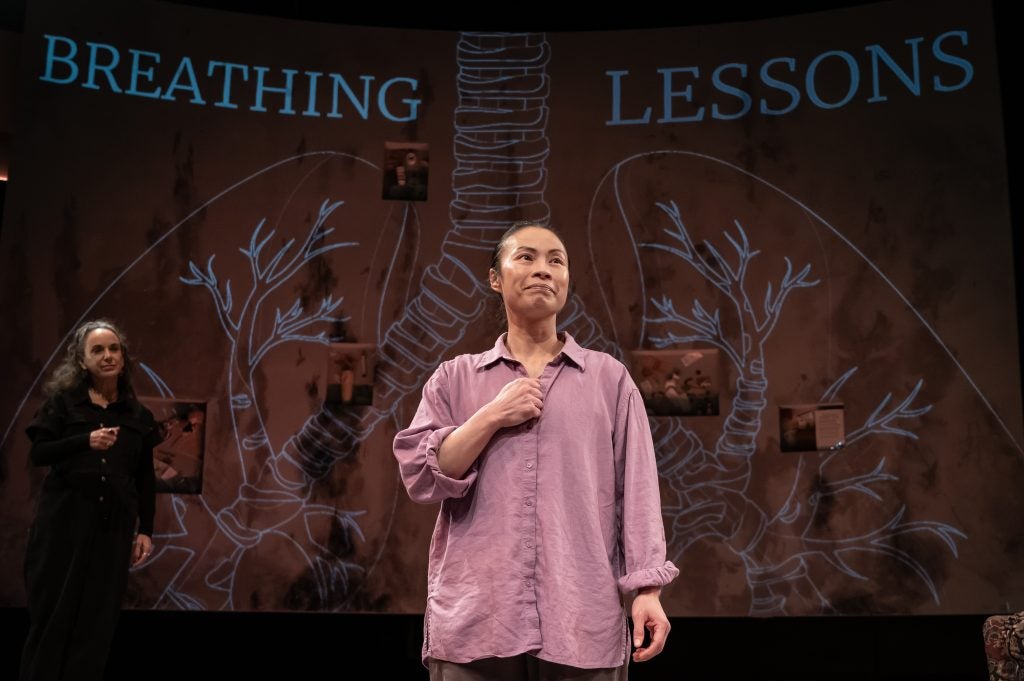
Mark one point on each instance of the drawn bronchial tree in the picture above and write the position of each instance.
(274, 497)
(500, 150)
(776, 545)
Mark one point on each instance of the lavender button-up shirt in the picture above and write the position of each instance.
(555, 519)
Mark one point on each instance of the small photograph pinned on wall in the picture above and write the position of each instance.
(406, 170)
(350, 374)
(811, 427)
(178, 459)
(679, 382)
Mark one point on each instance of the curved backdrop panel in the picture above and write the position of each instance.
(795, 233)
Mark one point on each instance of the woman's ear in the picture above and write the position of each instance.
(495, 280)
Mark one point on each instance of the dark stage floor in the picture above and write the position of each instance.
(195, 646)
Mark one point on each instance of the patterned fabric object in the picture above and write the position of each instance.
(1004, 647)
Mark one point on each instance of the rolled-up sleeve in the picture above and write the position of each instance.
(417, 446)
(643, 530)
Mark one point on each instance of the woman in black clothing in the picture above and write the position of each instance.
(95, 510)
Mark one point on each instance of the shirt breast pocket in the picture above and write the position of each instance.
(80, 421)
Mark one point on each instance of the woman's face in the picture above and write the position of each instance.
(533, 273)
(102, 355)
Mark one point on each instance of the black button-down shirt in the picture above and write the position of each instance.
(118, 480)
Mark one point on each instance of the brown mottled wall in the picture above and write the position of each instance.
(818, 203)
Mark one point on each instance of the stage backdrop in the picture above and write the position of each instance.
(795, 232)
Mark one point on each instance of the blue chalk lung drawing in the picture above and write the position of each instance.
(276, 500)
(710, 497)
(500, 149)
(712, 483)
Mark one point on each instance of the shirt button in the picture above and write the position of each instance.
(529, 502)
(529, 465)
(529, 584)
(529, 544)
(101, 498)
(103, 460)
(103, 478)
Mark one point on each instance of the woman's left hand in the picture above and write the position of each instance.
(141, 549)
(649, 615)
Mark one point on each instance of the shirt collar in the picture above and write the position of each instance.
(570, 350)
(79, 394)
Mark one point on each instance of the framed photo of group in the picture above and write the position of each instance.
(679, 382)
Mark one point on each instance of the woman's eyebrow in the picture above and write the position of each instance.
(531, 249)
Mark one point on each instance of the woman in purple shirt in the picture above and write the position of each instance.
(540, 453)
